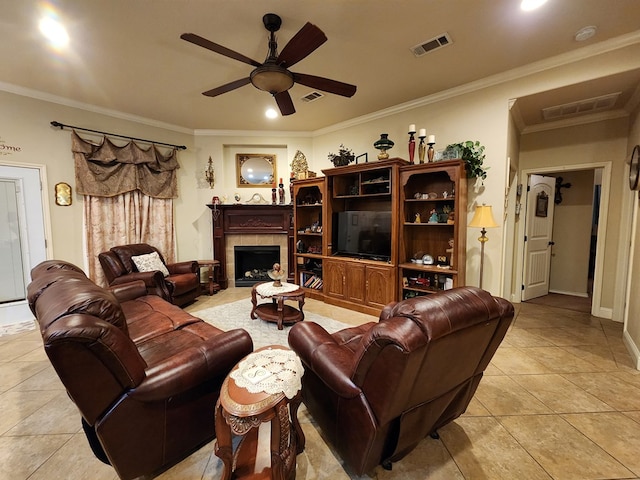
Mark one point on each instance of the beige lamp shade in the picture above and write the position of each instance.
(483, 217)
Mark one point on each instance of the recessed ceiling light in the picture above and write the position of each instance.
(528, 5)
(271, 113)
(54, 31)
(585, 33)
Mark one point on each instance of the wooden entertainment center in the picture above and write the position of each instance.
(424, 209)
(426, 249)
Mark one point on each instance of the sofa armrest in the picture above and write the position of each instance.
(183, 267)
(319, 351)
(129, 291)
(153, 280)
(191, 367)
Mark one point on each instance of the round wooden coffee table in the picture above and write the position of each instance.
(276, 310)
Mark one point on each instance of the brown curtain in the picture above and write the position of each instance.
(129, 195)
(107, 170)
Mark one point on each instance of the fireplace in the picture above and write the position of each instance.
(253, 262)
(247, 225)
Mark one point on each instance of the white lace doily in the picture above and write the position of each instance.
(274, 370)
(267, 289)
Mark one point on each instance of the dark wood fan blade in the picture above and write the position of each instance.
(302, 44)
(214, 47)
(285, 104)
(325, 84)
(214, 92)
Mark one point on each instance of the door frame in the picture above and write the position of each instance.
(596, 307)
(20, 310)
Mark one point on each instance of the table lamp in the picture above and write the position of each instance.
(483, 218)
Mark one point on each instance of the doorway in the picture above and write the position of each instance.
(577, 253)
(24, 210)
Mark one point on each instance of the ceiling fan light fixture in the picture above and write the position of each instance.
(272, 78)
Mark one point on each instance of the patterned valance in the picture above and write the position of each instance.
(107, 170)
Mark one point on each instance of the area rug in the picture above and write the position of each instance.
(238, 315)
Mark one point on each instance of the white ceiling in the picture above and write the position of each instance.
(127, 55)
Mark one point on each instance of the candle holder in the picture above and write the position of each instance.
(421, 148)
(412, 146)
(430, 152)
(274, 196)
(281, 192)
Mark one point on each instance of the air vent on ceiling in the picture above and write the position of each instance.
(428, 46)
(581, 107)
(310, 97)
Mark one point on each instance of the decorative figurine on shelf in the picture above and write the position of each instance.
(274, 196)
(277, 274)
(450, 250)
(291, 179)
(281, 192)
(451, 218)
(417, 220)
(434, 216)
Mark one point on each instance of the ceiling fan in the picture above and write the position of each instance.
(273, 75)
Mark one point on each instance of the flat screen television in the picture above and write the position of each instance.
(362, 233)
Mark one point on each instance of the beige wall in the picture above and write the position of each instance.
(632, 317)
(25, 122)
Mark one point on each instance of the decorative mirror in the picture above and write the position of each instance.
(255, 169)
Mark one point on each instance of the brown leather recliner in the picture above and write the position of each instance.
(378, 389)
(144, 374)
(180, 287)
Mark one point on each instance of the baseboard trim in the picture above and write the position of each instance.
(633, 349)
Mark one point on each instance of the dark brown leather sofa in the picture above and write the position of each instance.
(180, 287)
(378, 389)
(144, 374)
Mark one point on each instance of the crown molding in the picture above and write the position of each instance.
(509, 75)
(497, 79)
(251, 133)
(47, 97)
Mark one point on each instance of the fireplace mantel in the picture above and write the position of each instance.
(245, 219)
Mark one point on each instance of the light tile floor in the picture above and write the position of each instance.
(560, 400)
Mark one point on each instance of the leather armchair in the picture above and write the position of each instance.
(144, 374)
(180, 287)
(378, 389)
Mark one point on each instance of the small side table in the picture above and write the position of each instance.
(245, 410)
(276, 311)
(211, 286)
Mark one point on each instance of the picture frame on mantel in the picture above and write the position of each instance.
(255, 169)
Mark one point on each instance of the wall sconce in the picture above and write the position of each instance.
(209, 173)
(483, 218)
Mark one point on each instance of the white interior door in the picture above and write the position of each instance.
(538, 236)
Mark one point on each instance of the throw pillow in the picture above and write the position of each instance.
(149, 263)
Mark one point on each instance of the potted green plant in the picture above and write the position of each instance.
(344, 157)
(473, 155)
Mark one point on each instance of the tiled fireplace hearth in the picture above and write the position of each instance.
(247, 225)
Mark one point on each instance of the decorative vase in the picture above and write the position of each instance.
(412, 146)
(430, 152)
(383, 145)
(421, 149)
